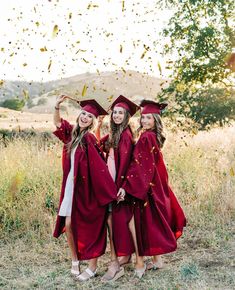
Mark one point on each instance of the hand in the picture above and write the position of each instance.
(121, 195)
(100, 120)
(61, 99)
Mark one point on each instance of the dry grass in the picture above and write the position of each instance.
(201, 170)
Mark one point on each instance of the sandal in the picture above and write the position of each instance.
(127, 263)
(75, 272)
(155, 266)
(86, 275)
(140, 272)
(114, 272)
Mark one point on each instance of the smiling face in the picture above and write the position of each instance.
(147, 121)
(118, 115)
(85, 119)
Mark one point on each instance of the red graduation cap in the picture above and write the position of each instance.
(91, 106)
(151, 107)
(125, 103)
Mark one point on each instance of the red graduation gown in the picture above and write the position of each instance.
(159, 219)
(93, 190)
(122, 212)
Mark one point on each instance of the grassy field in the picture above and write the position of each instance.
(201, 169)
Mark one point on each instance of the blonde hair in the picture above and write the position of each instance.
(77, 134)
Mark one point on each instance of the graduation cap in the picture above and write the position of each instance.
(151, 107)
(125, 103)
(91, 106)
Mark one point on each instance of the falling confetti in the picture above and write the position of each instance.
(86, 61)
(231, 171)
(84, 90)
(55, 31)
(49, 65)
(110, 98)
(26, 94)
(42, 49)
(123, 6)
(159, 68)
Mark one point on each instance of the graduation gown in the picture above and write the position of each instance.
(159, 219)
(93, 190)
(122, 212)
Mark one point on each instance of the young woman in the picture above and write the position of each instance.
(87, 188)
(159, 219)
(118, 147)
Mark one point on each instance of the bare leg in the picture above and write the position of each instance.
(113, 272)
(112, 250)
(70, 240)
(139, 259)
(157, 259)
(156, 263)
(93, 264)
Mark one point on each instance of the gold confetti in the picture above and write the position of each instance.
(55, 31)
(110, 98)
(84, 90)
(92, 6)
(26, 94)
(49, 65)
(143, 54)
(37, 23)
(231, 171)
(194, 131)
(86, 61)
(1, 82)
(42, 49)
(25, 64)
(120, 48)
(123, 6)
(159, 68)
(70, 15)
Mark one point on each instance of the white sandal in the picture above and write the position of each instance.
(86, 275)
(140, 272)
(75, 272)
(155, 266)
(114, 272)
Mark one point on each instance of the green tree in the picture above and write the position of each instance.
(13, 104)
(201, 34)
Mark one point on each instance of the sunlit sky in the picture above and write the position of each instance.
(46, 40)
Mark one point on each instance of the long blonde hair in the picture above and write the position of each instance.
(77, 134)
(158, 129)
(116, 130)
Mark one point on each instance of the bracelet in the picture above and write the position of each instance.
(57, 108)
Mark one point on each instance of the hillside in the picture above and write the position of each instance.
(103, 86)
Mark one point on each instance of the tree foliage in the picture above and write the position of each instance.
(13, 104)
(201, 34)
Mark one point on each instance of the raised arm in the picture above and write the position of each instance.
(97, 132)
(56, 116)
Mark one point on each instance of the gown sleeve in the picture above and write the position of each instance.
(102, 142)
(125, 148)
(64, 131)
(102, 183)
(142, 168)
